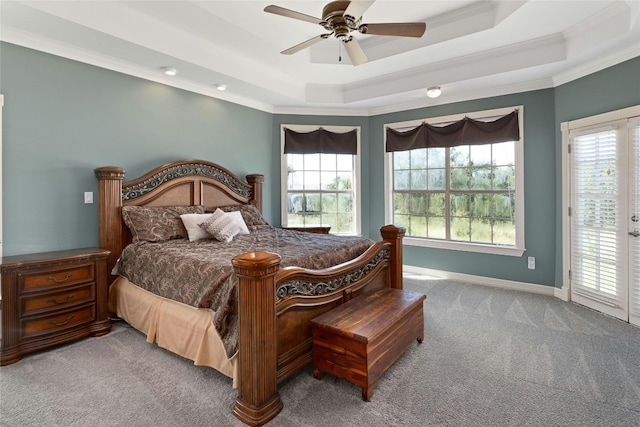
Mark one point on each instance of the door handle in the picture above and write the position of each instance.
(634, 233)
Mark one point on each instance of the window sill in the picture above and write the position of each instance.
(467, 247)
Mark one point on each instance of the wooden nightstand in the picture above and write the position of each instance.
(52, 298)
(318, 229)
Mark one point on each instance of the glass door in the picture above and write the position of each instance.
(605, 218)
(598, 233)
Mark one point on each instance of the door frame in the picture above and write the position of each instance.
(1, 113)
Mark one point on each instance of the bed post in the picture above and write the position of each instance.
(258, 398)
(393, 235)
(256, 180)
(110, 232)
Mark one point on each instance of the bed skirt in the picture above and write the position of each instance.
(177, 327)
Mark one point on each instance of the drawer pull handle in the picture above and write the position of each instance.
(61, 302)
(53, 322)
(68, 276)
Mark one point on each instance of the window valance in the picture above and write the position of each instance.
(320, 141)
(463, 132)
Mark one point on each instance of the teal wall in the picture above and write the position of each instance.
(62, 119)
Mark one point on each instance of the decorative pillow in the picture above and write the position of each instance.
(192, 224)
(252, 216)
(156, 224)
(222, 226)
(237, 216)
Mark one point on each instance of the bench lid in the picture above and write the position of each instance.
(368, 315)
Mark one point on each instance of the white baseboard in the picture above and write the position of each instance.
(562, 293)
(489, 281)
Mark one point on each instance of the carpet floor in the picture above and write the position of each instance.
(491, 357)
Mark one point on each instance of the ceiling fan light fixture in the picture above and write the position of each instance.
(169, 71)
(434, 91)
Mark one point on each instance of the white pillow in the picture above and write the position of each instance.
(191, 222)
(237, 216)
(222, 226)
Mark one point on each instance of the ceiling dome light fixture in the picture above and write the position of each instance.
(434, 92)
(169, 71)
(220, 87)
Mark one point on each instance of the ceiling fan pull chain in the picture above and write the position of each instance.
(339, 51)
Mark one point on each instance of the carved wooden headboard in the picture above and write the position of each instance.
(179, 183)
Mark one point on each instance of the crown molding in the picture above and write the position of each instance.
(596, 65)
(27, 40)
(323, 111)
(490, 92)
(541, 51)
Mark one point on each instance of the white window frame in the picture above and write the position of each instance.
(519, 248)
(357, 178)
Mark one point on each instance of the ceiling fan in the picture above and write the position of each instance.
(340, 18)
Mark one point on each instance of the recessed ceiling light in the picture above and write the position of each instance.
(169, 71)
(434, 92)
(220, 87)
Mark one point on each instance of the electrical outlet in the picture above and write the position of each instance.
(531, 263)
(88, 196)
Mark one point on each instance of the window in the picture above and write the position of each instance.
(321, 186)
(456, 196)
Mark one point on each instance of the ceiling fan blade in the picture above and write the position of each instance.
(305, 44)
(291, 14)
(355, 52)
(358, 8)
(401, 29)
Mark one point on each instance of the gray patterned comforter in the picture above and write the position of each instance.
(200, 273)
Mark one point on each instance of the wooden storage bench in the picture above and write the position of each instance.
(360, 339)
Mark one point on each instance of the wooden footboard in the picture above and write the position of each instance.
(276, 307)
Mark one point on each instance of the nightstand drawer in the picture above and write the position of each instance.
(57, 277)
(54, 323)
(57, 300)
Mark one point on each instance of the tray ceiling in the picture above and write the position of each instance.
(471, 48)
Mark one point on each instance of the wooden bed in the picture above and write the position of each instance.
(274, 334)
